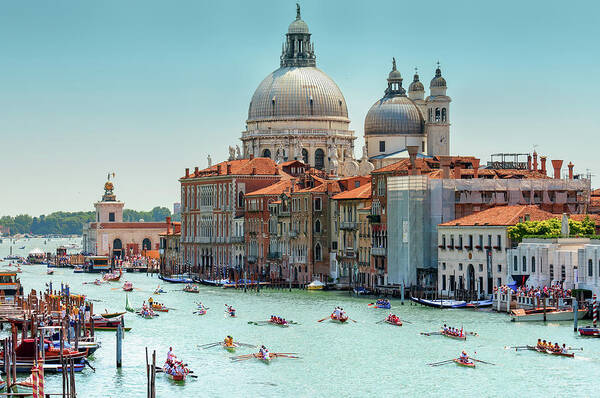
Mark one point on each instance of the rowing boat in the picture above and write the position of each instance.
(230, 347)
(283, 324)
(160, 308)
(334, 318)
(264, 359)
(397, 323)
(589, 331)
(560, 354)
(112, 315)
(464, 363)
(463, 337)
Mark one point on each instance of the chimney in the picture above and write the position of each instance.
(445, 165)
(457, 167)
(228, 168)
(535, 164)
(219, 169)
(195, 171)
(253, 171)
(168, 225)
(412, 153)
(475, 162)
(251, 156)
(187, 172)
(557, 164)
(543, 161)
(276, 171)
(529, 162)
(570, 166)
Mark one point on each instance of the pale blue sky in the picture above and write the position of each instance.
(147, 88)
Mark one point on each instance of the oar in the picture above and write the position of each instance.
(405, 321)
(321, 320)
(353, 320)
(208, 344)
(245, 344)
(575, 349)
(477, 360)
(286, 356)
(441, 363)
(430, 333)
(286, 353)
(383, 320)
(506, 347)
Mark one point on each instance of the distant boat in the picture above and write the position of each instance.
(176, 279)
(22, 247)
(440, 303)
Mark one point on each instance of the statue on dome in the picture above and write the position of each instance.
(209, 159)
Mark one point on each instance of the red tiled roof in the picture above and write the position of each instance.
(596, 192)
(255, 166)
(502, 215)
(581, 217)
(272, 190)
(362, 192)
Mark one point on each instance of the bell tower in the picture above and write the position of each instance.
(437, 126)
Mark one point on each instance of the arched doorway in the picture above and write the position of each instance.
(266, 153)
(471, 278)
(117, 248)
(146, 244)
(295, 274)
(319, 159)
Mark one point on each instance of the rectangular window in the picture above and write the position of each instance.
(480, 241)
(111, 216)
(381, 146)
(499, 282)
(499, 242)
(499, 268)
(443, 282)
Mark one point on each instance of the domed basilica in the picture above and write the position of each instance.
(299, 113)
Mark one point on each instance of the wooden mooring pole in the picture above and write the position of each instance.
(119, 345)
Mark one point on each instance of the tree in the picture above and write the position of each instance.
(550, 228)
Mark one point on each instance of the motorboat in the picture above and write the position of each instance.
(548, 314)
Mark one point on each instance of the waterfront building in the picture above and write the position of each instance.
(299, 113)
(421, 193)
(472, 249)
(354, 266)
(211, 200)
(397, 121)
(110, 236)
(572, 262)
(170, 248)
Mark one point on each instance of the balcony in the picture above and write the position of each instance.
(349, 253)
(292, 234)
(378, 251)
(374, 218)
(274, 255)
(237, 239)
(252, 259)
(349, 225)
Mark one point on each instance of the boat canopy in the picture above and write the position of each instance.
(316, 283)
(36, 252)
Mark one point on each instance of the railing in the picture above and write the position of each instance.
(254, 133)
(274, 255)
(237, 239)
(349, 225)
(374, 218)
(378, 251)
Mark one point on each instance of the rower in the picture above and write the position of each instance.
(170, 355)
(264, 352)
(556, 348)
(228, 341)
(539, 343)
(464, 357)
(564, 349)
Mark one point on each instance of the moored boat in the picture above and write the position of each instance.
(551, 314)
(440, 303)
(176, 279)
(110, 315)
(315, 285)
(128, 286)
(50, 271)
(589, 331)
(78, 269)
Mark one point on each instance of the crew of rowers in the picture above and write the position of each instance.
(464, 358)
(147, 309)
(190, 288)
(230, 310)
(278, 320)
(228, 341)
(382, 302)
(339, 313)
(201, 307)
(264, 353)
(173, 366)
(452, 331)
(548, 346)
(393, 318)
(152, 304)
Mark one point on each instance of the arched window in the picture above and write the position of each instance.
(266, 153)
(146, 245)
(318, 252)
(443, 114)
(318, 227)
(524, 264)
(117, 244)
(304, 155)
(319, 159)
(241, 200)
(437, 114)
(317, 204)
(515, 264)
(590, 268)
(532, 265)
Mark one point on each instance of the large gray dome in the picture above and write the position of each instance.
(394, 114)
(297, 92)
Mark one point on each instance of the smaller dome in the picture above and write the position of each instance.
(394, 75)
(298, 26)
(438, 80)
(416, 85)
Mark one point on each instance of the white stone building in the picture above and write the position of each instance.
(472, 249)
(574, 262)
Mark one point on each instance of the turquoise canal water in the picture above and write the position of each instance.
(354, 359)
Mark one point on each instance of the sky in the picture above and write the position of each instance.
(147, 88)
